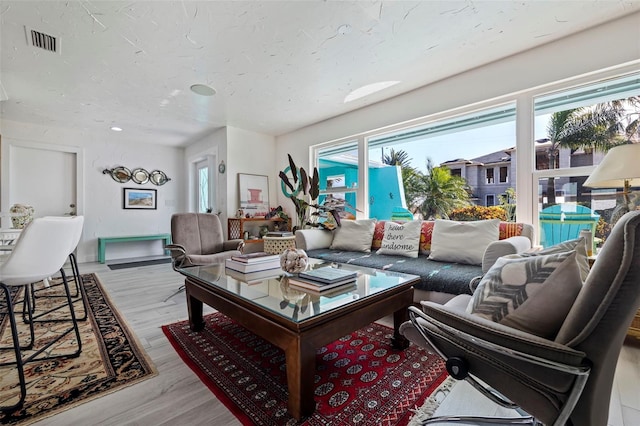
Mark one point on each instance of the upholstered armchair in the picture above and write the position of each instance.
(561, 379)
(198, 239)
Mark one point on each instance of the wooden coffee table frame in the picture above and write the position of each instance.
(300, 340)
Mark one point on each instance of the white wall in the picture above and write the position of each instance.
(101, 196)
(609, 45)
(243, 151)
(251, 153)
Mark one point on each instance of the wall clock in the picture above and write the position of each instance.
(221, 167)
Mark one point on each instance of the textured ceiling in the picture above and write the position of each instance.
(276, 65)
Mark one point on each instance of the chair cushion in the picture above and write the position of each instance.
(462, 242)
(354, 235)
(401, 239)
(530, 293)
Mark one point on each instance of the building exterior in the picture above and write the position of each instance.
(490, 175)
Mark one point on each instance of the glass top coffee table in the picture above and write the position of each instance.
(297, 321)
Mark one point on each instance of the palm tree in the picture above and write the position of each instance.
(439, 192)
(600, 127)
(397, 158)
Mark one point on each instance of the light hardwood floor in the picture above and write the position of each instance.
(176, 395)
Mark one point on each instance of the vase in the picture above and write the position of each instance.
(294, 260)
(21, 215)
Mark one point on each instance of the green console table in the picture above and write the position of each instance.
(102, 242)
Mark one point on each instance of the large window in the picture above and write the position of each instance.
(580, 126)
(338, 170)
(480, 146)
(443, 165)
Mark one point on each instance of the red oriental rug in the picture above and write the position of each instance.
(360, 378)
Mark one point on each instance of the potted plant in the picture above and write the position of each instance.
(305, 191)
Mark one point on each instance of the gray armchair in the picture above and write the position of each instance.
(567, 380)
(198, 239)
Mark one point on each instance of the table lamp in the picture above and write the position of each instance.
(620, 168)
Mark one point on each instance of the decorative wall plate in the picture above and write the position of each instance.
(119, 174)
(140, 176)
(158, 177)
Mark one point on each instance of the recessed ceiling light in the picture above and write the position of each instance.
(116, 128)
(203, 89)
(344, 29)
(368, 89)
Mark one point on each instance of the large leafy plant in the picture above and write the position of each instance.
(304, 193)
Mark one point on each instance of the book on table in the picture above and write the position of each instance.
(328, 275)
(257, 257)
(279, 234)
(254, 277)
(328, 292)
(252, 267)
(320, 286)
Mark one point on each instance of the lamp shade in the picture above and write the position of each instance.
(621, 165)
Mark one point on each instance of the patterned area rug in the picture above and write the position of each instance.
(360, 378)
(111, 357)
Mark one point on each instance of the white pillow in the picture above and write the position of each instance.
(402, 239)
(463, 242)
(354, 235)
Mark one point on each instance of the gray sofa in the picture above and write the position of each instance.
(439, 281)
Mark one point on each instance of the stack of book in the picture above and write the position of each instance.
(323, 279)
(253, 262)
(252, 278)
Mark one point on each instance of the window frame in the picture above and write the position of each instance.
(506, 174)
(527, 176)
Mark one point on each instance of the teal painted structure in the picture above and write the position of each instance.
(102, 242)
(564, 222)
(386, 190)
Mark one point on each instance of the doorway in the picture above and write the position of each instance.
(47, 177)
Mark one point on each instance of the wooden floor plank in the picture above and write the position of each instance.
(177, 396)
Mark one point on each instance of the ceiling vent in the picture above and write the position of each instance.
(41, 40)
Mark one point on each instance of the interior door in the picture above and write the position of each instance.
(45, 179)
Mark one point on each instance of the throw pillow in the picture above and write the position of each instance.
(580, 248)
(462, 242)
(510, 229)
(426, 233)
(354, 235)
(378, 235)
(530, 293)
(402, 239)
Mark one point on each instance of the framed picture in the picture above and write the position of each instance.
(134, 198)
(254, 194)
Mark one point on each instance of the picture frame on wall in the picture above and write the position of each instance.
(141, 199)
(254, 194)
